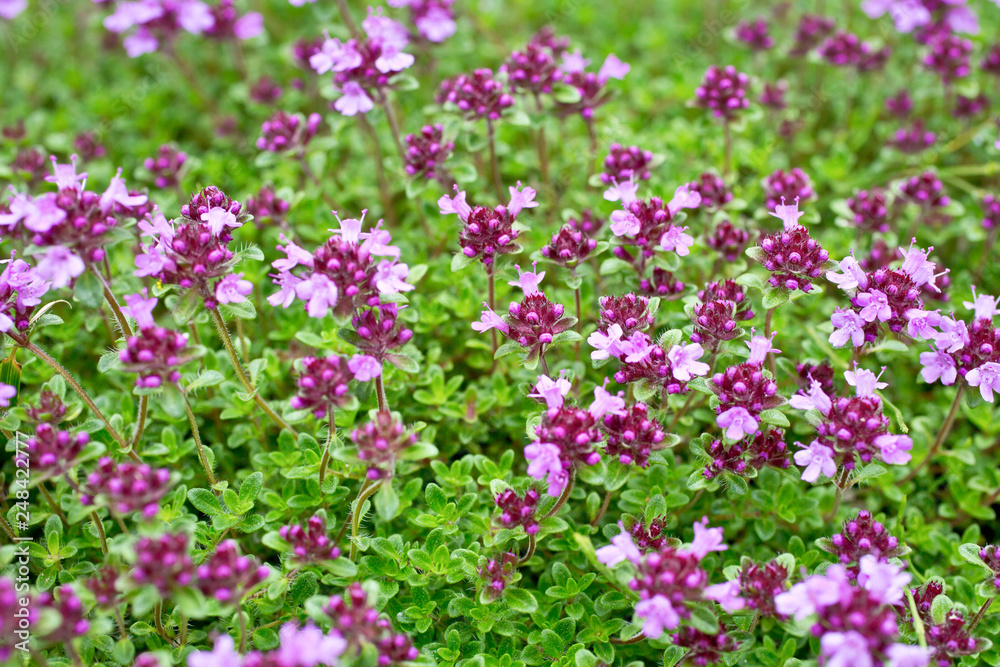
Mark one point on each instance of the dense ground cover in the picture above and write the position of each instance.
(499, 333)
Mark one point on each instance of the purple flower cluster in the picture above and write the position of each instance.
(50, 451)
(266, 205)
(287, 132)
(309, 541)
(72, 614)
(850, 430)
(810, 32)
(305, 646)
(363, 68)
(477, 95)
(625, 163)
(323, 384)
(127, 487)
(949, 58)
(949, 640)
(755, 34)
(792, 256)
(744, 391)
(434, 19)
(863, 536)
(648, 224)
(163, 562)
(380, 442)
(760, 584)
(341, 275)
(227, 576)
(533, 70)
(360, 624)
(166, 167)
(496, 573)
(11, 605)
(767, 448)
(488, 232)
(568, 247)
(793, 185)
(724, 91)
(870, 209)
(632, 435)
(663, 284)
(517, 511)
(914, 139)
(728, 240)
(154, 352)
(591, 86)
(427, 152)
(713, 191)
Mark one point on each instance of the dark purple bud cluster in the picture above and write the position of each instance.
(322, 383)
(265, 91)
(843, 49)
(568, 247)
(663, 284)
(822, 373)
(31, 163)
(714, 322)
(724, 91)
(926, 191)
(587, 223)
(496, 573)
(755, 34)
(673, 572)
(991, 61)
(574, 431)
(727, 240)
(517, 511)
(873, 60)
(547, 38)
(870, 209)
(773, 96)
(851, 428)
(287, 132)
(427, 152)
(166, 166)
(861, 612)
(266, 205)
(535, 321)
(629, 311)
(863, 536)
(745, 386)
(533, 70)
(52, 452)
(593, 92)
(654, 367)
(900, 105)
(767, 448)
(914, 139)
(477, 95)
(949, 640)
(654, 220)
(72, 614)
(396, 649)
(651, 538)
(990, 554)
(949, 57)
(713, 191)
(991, 212)
(788, 186)
(703, 648)
(103, 586)
(379, 442)
(127, 487)
(632, 437)
(488, 233)
(728, 290)
(810, 32)
(163, 562)
(760, 584)
(793, 258)
(155, 353)
(304, 49)
(624, 163)
(379, 330)
(85, 145)
(309, 541)
(227, 576)
(359, 623)
(968, 107)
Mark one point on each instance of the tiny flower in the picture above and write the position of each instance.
(658, 615)
(545, 463)
(490, 320)
(606, 404)
(895, 449)
(553, 392)
(364, 367)
(233, 289)
(684, 361)
(528, 281)
(706, 540)
(606, 345)
(621, 548)
(848, 326)
(817, 458)
(987, 378)
(727, 595)
(737, 422)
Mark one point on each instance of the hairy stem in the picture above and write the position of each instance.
(330, 437)
(979, 615)
(363, 497)
(383, 404)
(100, 532)
(564, 497)
(491, 299)
(604, 508)
(196, 434)
(52, 502)
(116, 308)
(220, 326)
(532, 543)
(494, 162)
(140, 424)
(942, 434)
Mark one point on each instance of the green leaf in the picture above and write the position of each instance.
(521, 600)
(705, 620)
(775, 418)
(970, 552)
(205, 501)
(775, 296)
(251, 487)
(403, 362)
(460, 261)
(386, 501)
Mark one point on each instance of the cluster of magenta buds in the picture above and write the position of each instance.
(127, 487)
(379, 330)
(633, 436)
(792, 185)
(266, 205)
(991, 212)
(568, 247)
(744, 391)
(715, 322)
(227, 576)
(728, 240)
(810, 32)
(359, 623)
(724, 92)
(773, 95)
(518, 511)
(870, 209)
(950, 639)
(949, 58)
(477, 95)
(990, 555)
(309, 541)
(265, 90)
(863, 536)
(21, 289)
(590, 86)
(11, 603)
(163, 562)
(913, 139)
(287, 132)
(761, 583)
(926, 191)
(900, 105)
(487, 232)
(713, 191)
(703, 648)
(663, 284)
(166, 167)
(745, 459)
(322, 383)
(629, 311)
(51, 451)
(30, 164)
(792, 256)
(624, 163)
(648, 535)
(380, 442)
(822, 373)
(497, 573)
(72, 614)
(728, 290)
(587, 223)
(154, 354)
(427, 152)
(87, 145)
(968, 107)
(533, 70)
(103, 586)
(843, 49)
(755, 34)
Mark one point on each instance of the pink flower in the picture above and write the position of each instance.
(117, 193)
(605, 345)
(573, 62)
(308, 646)
(390, 277)
(864, 381)
(621, 548)
(140, 308)
(737, 422)
(335, 56)
(916, 264)
(987, 378)
(659, 615)
(528, 281)
(814, 399)
(684, 362)
(625, 192)
(520, 199)
(219, 219)
(553, 392)
(9, 9)
(845, 649)
(906, 655)
(789, 214)
(637, 348)
(684, 197)
(223, 655)
(60, 266)
(817, 458)
(249, 26)
(727, 595)
(676, 240)
(490, 320)
(623, 223)
(760, 347)
(233, 289)
(353, 100)
(853, 275)
(545, 463)
(816, 592)
(884, 582)
(365, 367)
(895, 449)
(706, 540)
(456, 205)
(938, 365)
(606, 403)
(319, 293)
(848, 326)
(922, 323)
(7, 394)
(874, 306)
(984, 306)
(613, 68)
